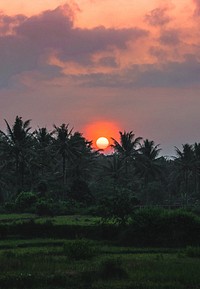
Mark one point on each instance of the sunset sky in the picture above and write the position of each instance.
(105, 64)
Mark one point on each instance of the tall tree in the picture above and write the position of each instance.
(196, 168)
(113, 169)
(68, 145)
(184, 164)
(44, 149)
(19, 140)
(126, 148)
(83, 156)
(148, 165)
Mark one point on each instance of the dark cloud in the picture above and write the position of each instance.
(166, 75)
(108, 61)
(158, 17)
(36, 37)
(159, 53)
(170, 37)
(171, 75)
(7, 23)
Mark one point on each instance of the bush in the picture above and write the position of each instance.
(25, 201)
(79, 249)
(118, 207)
(159, 227)
(44, 208)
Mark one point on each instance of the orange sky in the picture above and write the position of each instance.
(92, 13)
(134, 64)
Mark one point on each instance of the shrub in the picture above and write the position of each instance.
(44, 208)
(25, 201)
(117, 207)
(79, 249)
(159, 227)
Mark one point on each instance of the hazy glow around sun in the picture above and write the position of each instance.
(102, 143)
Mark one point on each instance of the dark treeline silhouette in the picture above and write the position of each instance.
(62, 165)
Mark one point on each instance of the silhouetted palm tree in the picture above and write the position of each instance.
(44, 154)
(83, 156)
(196, 168)
(126, 148)
(113, 168)
(63, 146)
(147, 163)
(19, 142)
(184, 164)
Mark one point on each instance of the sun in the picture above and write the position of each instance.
(102, 142)
(97, 130)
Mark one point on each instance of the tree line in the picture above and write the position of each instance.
(62, 164)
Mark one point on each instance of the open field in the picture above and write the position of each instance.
(42, 263)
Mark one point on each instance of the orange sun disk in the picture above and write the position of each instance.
(102, 142)
(99, 129)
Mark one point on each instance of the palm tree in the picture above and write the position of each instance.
(127, 147)
(44, 154)
(196, 168)
(81, 168)
(148, 164)
(184, 164)
(19, 139)
(113, 168)
(63, 147)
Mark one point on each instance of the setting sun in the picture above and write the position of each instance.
(102, 142)
(101, 132)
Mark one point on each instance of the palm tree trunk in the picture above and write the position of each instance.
(64, 169)
(186, 187)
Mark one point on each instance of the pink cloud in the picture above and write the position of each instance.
(170, 37)
(35, 38)
(197, 7)
(158, 17)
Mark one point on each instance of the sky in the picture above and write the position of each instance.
(103, 66)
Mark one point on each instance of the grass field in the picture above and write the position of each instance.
(58, 220)
(45, 263)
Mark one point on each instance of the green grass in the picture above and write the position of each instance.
(71, 220)
(43, 263)
(57, 220)
(9, 218)
(30, 263)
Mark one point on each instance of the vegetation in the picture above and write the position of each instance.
(72, 217)
(61, 167)
(43, 263)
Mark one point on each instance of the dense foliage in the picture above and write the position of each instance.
(58, 172)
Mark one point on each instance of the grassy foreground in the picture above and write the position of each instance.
(44, 263)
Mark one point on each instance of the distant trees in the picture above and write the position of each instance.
(187, 171)
(62, 164)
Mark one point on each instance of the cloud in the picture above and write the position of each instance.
(35, 39)
(197, 7)
(7, 23)
(158, 17)
(165, 75)
(170, 37)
